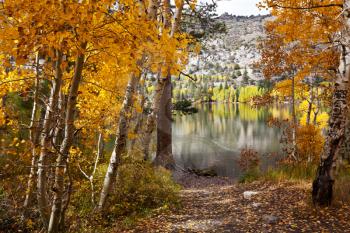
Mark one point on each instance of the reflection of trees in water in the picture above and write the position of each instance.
(218, 131)
(222, 123)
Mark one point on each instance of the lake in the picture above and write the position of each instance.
(214, 137)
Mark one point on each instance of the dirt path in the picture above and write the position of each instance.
(219, 206)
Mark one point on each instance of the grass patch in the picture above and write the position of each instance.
(297, 172)
(303, 173)
(250, 176)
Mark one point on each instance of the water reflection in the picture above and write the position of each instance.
(214, 136)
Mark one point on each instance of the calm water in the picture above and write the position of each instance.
(213, 137)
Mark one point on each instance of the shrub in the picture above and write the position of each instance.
(309, 143)
(250, 176)
(249, 163)
(249, 159)
(140, 187)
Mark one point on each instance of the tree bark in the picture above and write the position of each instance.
(151, 119)
(61, 162)
(139, 118)
(42, 197)
(34, 134)
(57, 137)
(164, 155)
(294, 123)
(346, 143)
(309, 110)
(322, 187)
(120, 141)
(121, 135)
(318, 106)
(100, 147)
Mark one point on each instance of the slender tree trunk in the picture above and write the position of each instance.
(151, 119)
(120, 142)
(294, 123)
(42, 197)
(318, 106)
(322, 187)
(57, 137)
(121, 135)
(99, 154)
(309, 110)
(66, 197)
(61, 162)
(34, 135)
(164, 155)
(139, 118)
(100, 147)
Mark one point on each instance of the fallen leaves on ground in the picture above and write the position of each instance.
(221, 207)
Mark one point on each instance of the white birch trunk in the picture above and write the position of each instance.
(294, 126)
(121, 135)
(120, 142)
(309, 110)
(61, 162)
(34, 134)
(42, 195)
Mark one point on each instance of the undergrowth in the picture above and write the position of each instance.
(139, 190)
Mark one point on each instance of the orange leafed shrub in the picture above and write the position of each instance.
(249, 159)
(309, 143)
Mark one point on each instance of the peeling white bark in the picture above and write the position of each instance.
(42, 196)
(61, 162)
(34, 134)
(121, 135)
(120, 142)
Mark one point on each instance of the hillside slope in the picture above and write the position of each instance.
(234, 53)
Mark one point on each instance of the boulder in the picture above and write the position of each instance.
(270, 219)
(256, 204)
(249, 194)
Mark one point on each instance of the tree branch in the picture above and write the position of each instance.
(188, 76)
(306, 8)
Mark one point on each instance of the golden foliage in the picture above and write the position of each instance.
(309, 143)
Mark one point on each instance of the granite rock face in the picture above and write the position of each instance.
(233, 53)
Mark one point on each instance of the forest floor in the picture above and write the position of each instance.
(219, 205)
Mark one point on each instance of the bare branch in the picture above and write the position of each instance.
(306, 7)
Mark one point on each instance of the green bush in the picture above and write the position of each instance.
(141, 187)
(250, 175)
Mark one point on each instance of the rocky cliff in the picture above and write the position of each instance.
(232, 54)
